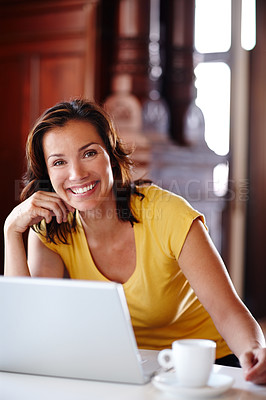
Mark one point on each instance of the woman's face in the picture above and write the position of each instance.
(79, 166)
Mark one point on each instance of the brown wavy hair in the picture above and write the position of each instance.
(37, 178)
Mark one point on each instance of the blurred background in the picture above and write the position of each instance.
(185, 83)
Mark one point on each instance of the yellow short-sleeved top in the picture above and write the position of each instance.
(162, 305)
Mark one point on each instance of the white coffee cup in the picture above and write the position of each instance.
(192, 360)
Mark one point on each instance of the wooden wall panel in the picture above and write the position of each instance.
(61, 78)
(11, 157)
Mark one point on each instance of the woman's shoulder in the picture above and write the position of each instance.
(154, 200)
(155, 195)
(168, 215)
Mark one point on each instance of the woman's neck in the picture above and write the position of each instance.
(102, 220)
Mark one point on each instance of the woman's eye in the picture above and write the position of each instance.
(58, 163)
(90, 153)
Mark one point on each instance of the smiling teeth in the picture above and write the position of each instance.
(84, 189)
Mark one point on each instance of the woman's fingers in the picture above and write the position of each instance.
(52, 196)
(52, 203)
(41, 205)
(254, 365)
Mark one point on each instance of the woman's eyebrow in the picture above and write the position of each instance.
(87, 145)
(80, 149)
(55, 155)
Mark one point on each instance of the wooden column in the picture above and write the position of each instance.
(255, 278)
(178, 20)
(132, 41)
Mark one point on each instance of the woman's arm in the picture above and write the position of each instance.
(42, 261)
(207, 275)
(15, 256)
(40, 205)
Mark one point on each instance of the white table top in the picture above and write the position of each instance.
(30, 387)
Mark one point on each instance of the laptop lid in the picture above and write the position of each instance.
(68, 328)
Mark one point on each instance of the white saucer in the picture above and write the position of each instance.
(217, 384)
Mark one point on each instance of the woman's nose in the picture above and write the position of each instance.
(76, 171)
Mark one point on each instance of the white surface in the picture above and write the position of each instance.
(30, 387)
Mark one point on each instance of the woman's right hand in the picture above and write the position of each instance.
(41, 205)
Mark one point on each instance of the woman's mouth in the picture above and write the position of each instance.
(83, 189)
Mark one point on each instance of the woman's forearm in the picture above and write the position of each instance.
(240, 330)
(15, 263)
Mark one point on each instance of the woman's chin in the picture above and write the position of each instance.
(86, 207)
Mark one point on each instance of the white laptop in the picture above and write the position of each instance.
(70, 328)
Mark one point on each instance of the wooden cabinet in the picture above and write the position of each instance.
(48, 53)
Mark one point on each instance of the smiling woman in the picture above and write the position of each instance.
(95, 223)
(80, 171)
(65, 141)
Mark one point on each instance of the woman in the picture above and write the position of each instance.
(91, 222)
